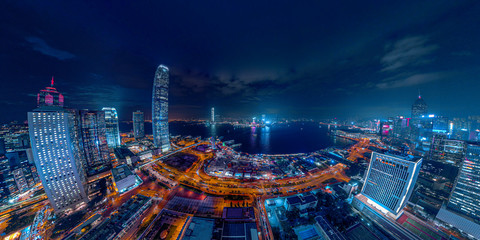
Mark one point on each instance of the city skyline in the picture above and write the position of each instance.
(235, 120)
(378, 73)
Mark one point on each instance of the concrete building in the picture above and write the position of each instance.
(124, 179)
(301, 202)
(446, 150)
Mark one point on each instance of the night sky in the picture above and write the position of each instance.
(314, 59)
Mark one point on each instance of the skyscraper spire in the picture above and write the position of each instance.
(419, 95)
(51, 83)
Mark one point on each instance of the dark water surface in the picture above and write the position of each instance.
(276, 139)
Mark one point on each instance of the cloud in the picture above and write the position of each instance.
(462, 53)
(410, 51)
(40, 45)
(412, 80)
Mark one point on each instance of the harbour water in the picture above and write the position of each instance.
(297, 137)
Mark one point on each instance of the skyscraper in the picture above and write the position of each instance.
(446, 150)
(138, 124)
(212, 117)
(7, 181)
(463, 208)
(419, 108)
(111, 122)
(49, 96)
(94, 141)
(160, 109)
(390, 180)
(60, 169)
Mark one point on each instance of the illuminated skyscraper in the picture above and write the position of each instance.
(49, 97)
(390, 180)
(94, 141)
(212, 117)
(419, 108)
(160, 109)
(138, 124)
(111, 123)
(463, 208)
(55, 155)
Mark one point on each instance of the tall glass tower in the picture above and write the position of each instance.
(160, 109)
(56, 155)
(111, 122)
(94, 141)
(138, 124)
(212, 117)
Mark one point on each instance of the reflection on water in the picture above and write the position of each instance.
(275, 139)
(265, 139)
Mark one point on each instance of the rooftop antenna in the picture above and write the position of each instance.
(51, 82)
(419, 95)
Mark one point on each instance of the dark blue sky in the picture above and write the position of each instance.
(306, 59)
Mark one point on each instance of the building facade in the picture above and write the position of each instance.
(463, 208)
(112, 129)
(446, 150)
(94, 142)
(138, 124)
(161, 137)
(419, 108)
(56, 158)
(7, 181)
(465, 197)
(390, 180)
(61, 173)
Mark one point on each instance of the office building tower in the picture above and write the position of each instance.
(419, 108)
(138, 124)
(463, 208)
(60, 170)
(20, 180)
(212, 117)
(94, 142)
(446, 150)
(161, 137)
(390, 180)
(7, 181)
(49, 97)
(112, 129)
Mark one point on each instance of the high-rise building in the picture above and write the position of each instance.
(463, 208)
(212, 117)
(20, 179)
(49, 97)
(138, 124)
(446, 150)
(111, 122)
(419, 108)
(161, 137)
(94, 142)
(390, 180)
(7, 181)
(55, 155)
